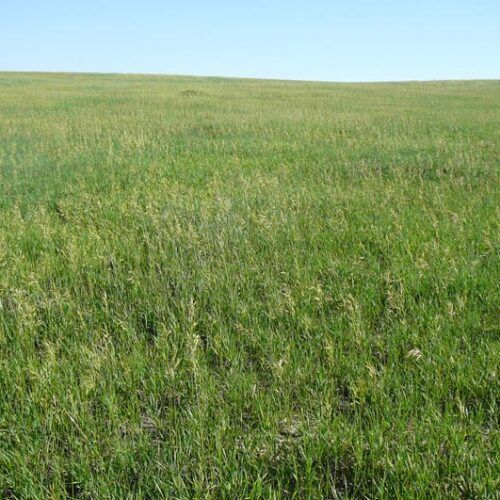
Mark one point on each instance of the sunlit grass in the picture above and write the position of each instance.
(230, 288)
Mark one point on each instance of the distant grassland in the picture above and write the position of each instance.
(216, 288)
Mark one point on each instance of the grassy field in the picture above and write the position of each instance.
(216, 288)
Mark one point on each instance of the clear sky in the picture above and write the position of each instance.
(337, 40)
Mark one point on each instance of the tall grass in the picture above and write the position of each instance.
(219, 288)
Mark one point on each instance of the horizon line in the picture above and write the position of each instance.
(265, 79)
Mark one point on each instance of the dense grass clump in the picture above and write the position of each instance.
(241, 289)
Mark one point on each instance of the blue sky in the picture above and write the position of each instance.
(336, 40)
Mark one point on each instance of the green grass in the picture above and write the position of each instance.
(248, 289)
